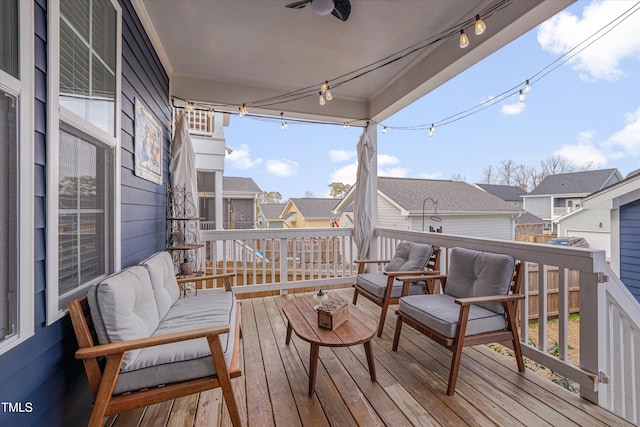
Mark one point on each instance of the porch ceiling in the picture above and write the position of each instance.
(242, 51)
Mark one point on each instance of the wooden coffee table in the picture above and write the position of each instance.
(303, 319)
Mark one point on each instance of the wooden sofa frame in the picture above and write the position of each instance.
(102, 365)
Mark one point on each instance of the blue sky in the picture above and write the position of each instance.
(587, 110)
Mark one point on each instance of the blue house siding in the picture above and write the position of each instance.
(630, 247)
(43, 370)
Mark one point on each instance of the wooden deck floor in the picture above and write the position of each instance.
(410, 387)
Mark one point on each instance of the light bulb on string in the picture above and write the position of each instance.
(432, 129)
(527, 87)
(243, 110)
(189, 106)
(324, 87)
(521, 96)
(328, 95)
(480, 25)
(384, 129)
(321, 98)
(210, 112)
(283, 126)
(464, 40)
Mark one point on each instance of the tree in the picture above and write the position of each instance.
(555, 164)
(458, 177)
(521, 176)
(270, 197)
(339, 189)
(309, 194)
(506, 172)
(489, 175)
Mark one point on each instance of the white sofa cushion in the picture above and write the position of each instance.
(163, 280)
(188, 359)
(123, 308)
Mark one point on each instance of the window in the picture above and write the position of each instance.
(16, 173)
(83, 231)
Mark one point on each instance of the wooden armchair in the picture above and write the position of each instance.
(478, 306)
(383, 289)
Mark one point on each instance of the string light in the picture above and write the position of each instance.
(346, 125)
(325, 86)
(189, 106)
(243, 110)
(211, 112)
(283, 126)
(527, 87)
(321, 98)
(464, 40)
(328, 95)
(432, 129)
(521, 96)
(384, 129)
(480, 26)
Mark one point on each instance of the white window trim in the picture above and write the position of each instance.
(56, 113)
(24, 89)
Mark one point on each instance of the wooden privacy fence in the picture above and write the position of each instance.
(533, 294)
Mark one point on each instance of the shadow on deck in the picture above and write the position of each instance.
(410, 388)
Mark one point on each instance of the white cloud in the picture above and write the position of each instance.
(282, 167)
(601, 60)
(346, 174)
(341, 155)
(386, 159)
(582, 154)
(628, 138)
(513, 109)
(586, 135)
(241, 158)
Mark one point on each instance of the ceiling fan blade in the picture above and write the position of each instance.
(342, 9)
(298, 4)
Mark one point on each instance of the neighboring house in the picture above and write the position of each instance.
(269, 215)
(239, 202)
(622, 201)
(528, 226)
(560, 194)
(310, 213)
(509, 193)
(593, 225)
(461, 208)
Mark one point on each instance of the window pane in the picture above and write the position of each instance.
(8, 217)
(9, 37)
(84, 215)
(88, 61)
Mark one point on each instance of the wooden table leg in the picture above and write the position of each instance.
(289, 329)
(372, 367)
(313, 367)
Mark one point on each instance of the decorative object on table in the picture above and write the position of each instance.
(319, 298)
(332, 314)
(187, 267)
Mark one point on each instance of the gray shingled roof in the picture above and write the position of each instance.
(452, 196)
(585, 182)
(233, 183)
(315, 207)
(272, 211)
(510, 193)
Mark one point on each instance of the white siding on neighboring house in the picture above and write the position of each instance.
(592, 224)
(492, 227)
(389, 215)
(539, 206)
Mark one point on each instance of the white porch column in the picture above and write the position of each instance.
(219, 213)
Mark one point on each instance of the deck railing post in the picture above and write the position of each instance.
(590, 333)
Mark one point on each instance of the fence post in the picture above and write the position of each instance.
(283, 264)
(590, 333)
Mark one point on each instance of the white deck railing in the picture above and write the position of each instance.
(609, 358)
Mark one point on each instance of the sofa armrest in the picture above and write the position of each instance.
(122, 346)
(225, 276)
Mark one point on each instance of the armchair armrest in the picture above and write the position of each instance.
(421, 275)
(489, 299)
(122, 346)
(371, 261)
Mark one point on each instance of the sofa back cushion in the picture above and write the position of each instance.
(163, 280)
(410, 256)
(476, 273)
(123, 308)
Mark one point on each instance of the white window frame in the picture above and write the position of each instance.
(23, 89)
(57, 114)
